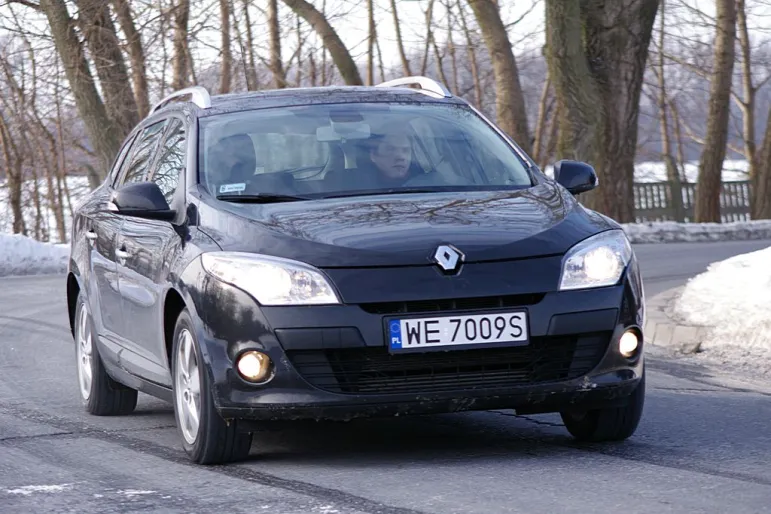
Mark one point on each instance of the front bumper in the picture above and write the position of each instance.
(331, 362)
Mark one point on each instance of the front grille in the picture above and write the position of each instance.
(453, 304)
(375, 371)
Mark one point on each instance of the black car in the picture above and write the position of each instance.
(332, 253)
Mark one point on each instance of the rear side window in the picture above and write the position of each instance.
(142, 156)
(171, 161)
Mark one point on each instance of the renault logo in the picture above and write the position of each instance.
(448, 258)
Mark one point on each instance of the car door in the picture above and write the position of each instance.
(136, 170)
(149, 246)
(100, 227)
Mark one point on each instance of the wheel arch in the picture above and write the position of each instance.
(73, 290)
(173, 305)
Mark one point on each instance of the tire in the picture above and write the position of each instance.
(209, 440)
(99, 393)
(612, 424)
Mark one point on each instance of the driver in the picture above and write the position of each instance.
(391, 156)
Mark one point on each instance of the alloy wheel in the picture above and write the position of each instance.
(84, 352)
(187, 387)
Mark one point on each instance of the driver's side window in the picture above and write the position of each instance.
(142, 154)
(171, 161)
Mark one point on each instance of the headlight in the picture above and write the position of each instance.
(271, 280)
(597, 261)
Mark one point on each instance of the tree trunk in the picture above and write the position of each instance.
(100, 129)
(439, 59)
(711, 166)
(13, 165)
(400, 41)
(227, 55)
(371, 43)
(451, 49)
(136, 55)
(509, 100)
(747, 104)
(276, 64)
(107, 59)
(337, 49)
(181, 60)
(679, 139)
(597, 53)
(540, 125)
(763, 180)
(252, 81)
(673, 177)
(429, 22)
(299, 53)
(472, 55)
(379, 58)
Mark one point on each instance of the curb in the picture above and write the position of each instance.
(665, 331)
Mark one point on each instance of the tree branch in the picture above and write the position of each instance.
(26, 3)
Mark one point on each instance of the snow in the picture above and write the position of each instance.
(670, 231)
(20, 255)
(78, 188)
(30, 489)
(732, 299)
(656, 171)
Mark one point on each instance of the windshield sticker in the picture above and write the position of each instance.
(232, 188)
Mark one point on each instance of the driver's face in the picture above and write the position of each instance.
(393, 155)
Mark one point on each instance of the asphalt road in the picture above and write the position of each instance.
(702, 446)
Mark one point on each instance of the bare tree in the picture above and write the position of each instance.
(370, 43)
(472, 55)
(227, 56)
(597, 53)
(102, 132)
(107, 58)
(182, 64)
(510, 102)
(136, 55)
(252, 82)
(673, 176)
(400, 40)
(337, 49)
(13, 163)
(707, 208)
(276, 64)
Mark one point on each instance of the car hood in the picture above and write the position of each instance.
(405, 230)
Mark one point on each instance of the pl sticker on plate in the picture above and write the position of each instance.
(232, 188)
(396, 335)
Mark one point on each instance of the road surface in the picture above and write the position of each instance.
(700, 447)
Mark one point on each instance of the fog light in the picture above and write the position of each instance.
(254, 366)
(627, 345)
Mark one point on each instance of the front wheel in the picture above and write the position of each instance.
(612, 424)
(206, 437)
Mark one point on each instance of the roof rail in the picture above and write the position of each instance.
(427, 85)
(198, 94)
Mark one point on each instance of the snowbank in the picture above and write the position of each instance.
(20, 255)
(671, 232)
(732, 298)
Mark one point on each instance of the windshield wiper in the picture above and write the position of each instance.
(398, 191)
(260, 198)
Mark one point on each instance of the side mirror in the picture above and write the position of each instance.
(142, 200)
(577, 177)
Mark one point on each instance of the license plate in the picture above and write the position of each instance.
(445, 332)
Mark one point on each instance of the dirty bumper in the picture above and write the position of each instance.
(610, 390)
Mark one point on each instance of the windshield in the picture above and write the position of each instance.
(361, 148)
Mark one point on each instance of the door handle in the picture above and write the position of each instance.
(122, 254)
(91, 235)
